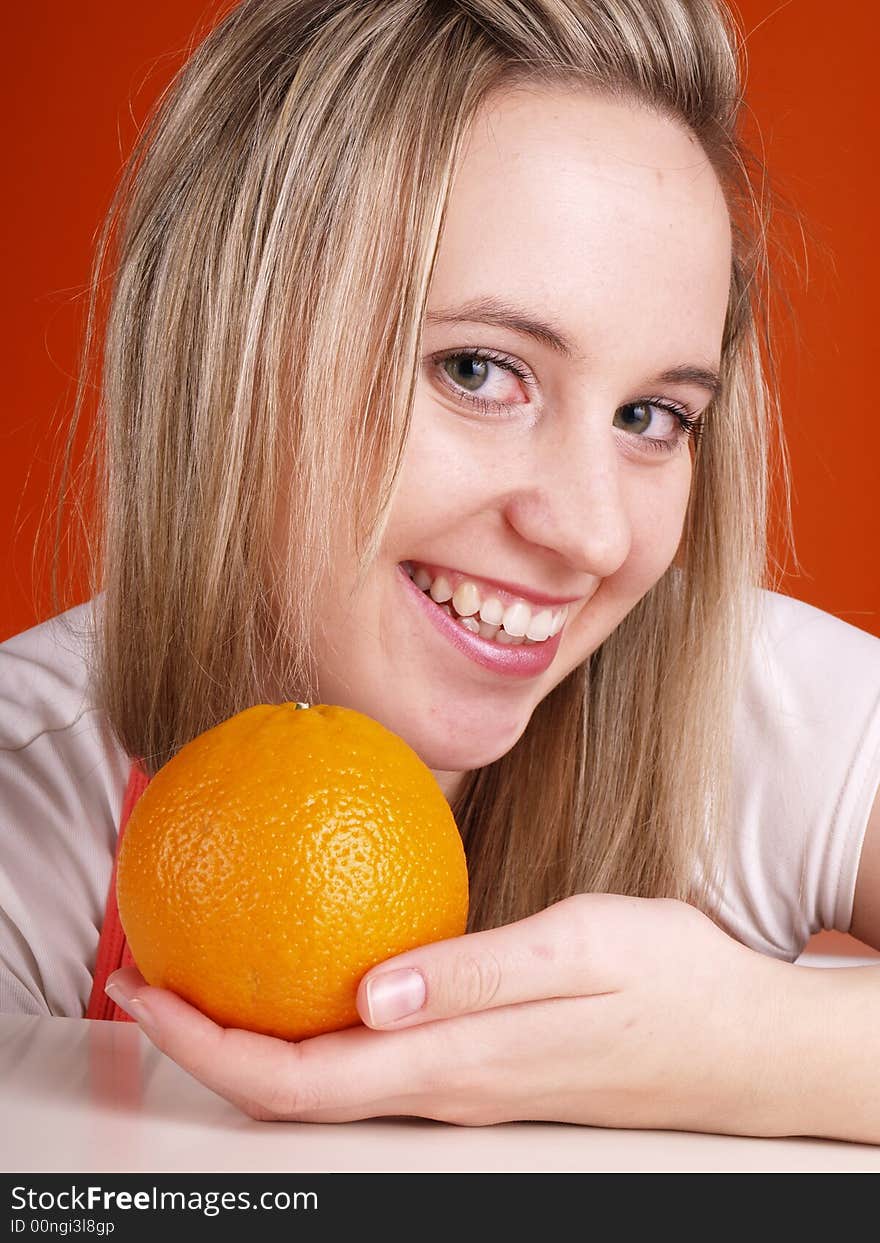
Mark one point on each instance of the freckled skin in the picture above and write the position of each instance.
(610, 221)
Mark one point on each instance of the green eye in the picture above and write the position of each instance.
(644, 417)
(466, 370)
(688, 424)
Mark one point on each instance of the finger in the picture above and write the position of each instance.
(557, 952)
(336, 1077)
(199, 1045)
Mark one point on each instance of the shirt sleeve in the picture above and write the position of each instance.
(62, 778)
(806, 771)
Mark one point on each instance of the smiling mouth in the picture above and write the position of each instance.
(495, 615)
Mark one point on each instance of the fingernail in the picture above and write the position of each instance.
(132, 1006)
(394, 995)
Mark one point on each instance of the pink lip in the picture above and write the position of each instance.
(523, 661)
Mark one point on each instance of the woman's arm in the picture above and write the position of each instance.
(604, 1010)
(828, 1055)
(827, 1064)
(866, 902)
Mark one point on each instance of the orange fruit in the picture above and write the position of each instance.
(278, 857)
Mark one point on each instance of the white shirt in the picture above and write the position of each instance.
(807, 767)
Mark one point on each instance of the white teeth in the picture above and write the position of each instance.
(466, 600)
(558, 620)
(539, 626)
(441, 590)
(491, 619)
(492, 611)
(516, 619)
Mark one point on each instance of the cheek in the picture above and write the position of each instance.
(657, 508)
(420, 506)
(439, 482)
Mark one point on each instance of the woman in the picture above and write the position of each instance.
(433, 388)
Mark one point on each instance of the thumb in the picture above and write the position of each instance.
(545, 955)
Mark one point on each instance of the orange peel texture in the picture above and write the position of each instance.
(278, 857)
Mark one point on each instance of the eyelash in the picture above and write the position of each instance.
(690, 423)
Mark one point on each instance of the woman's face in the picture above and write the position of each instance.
(586, 256)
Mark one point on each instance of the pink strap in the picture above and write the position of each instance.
(113, 948)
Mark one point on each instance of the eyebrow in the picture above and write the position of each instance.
(490, 310)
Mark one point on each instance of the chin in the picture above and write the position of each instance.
(446, 749)
(447, 736)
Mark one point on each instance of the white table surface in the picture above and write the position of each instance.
(78, 1096)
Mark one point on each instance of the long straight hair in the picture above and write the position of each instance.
(283, 207)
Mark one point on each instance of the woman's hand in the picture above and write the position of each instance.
(602, 1009)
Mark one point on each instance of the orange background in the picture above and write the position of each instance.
(78, 79)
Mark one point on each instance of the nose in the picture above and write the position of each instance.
(571, 497)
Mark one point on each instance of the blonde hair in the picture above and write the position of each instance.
(284, 207)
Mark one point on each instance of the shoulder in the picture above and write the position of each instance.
(50, 725)
(808, 670)
(44, 675)
(806, 765)
(790, 628)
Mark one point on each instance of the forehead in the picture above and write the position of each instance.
(603, 213)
